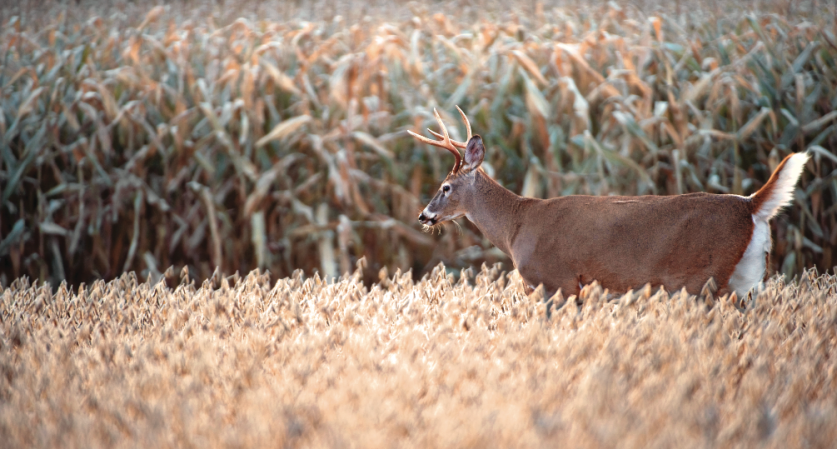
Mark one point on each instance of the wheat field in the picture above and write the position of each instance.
(137, 137)
(249, 362)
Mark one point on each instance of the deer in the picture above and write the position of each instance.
(621, 242)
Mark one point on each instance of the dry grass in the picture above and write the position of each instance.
(189, 136)
(245, 363)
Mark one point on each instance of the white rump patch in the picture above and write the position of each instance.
(750, 270)
(782, 195)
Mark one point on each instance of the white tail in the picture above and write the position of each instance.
(621, 242)
(778, 191)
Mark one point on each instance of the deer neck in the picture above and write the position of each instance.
(496, 211)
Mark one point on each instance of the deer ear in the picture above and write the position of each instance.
(474, 153)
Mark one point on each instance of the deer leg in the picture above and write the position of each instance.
(568, 286)
(547, 297)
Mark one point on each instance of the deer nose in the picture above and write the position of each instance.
(426, 218)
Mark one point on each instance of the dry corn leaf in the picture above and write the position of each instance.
(52, 229)
(283, 81)
(753, 124)
(527, 63)
(284, 129)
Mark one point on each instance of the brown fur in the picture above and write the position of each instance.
(563, 241)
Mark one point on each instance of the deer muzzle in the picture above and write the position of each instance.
(426, 218)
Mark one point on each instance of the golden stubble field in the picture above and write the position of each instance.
(249, 362)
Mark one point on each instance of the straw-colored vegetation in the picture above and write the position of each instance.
(435, 363)
(145, 138)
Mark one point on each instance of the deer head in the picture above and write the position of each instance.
(453, 198)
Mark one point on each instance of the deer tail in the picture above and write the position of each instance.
(778, 191)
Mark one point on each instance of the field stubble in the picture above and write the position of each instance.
(434, 363)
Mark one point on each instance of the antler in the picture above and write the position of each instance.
(446, 141)
(457, 143)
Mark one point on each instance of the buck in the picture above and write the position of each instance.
(622, 242)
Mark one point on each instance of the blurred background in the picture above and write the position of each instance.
(139, 135)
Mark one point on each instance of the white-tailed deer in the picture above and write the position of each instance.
(621, 242)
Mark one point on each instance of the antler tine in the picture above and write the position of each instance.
(423, 139)
(467, 123)
(445, 143)
(442, 126)
(457, 143)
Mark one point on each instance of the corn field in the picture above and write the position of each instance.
(439, 362)
(150, 137)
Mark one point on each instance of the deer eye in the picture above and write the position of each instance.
(446, 188)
